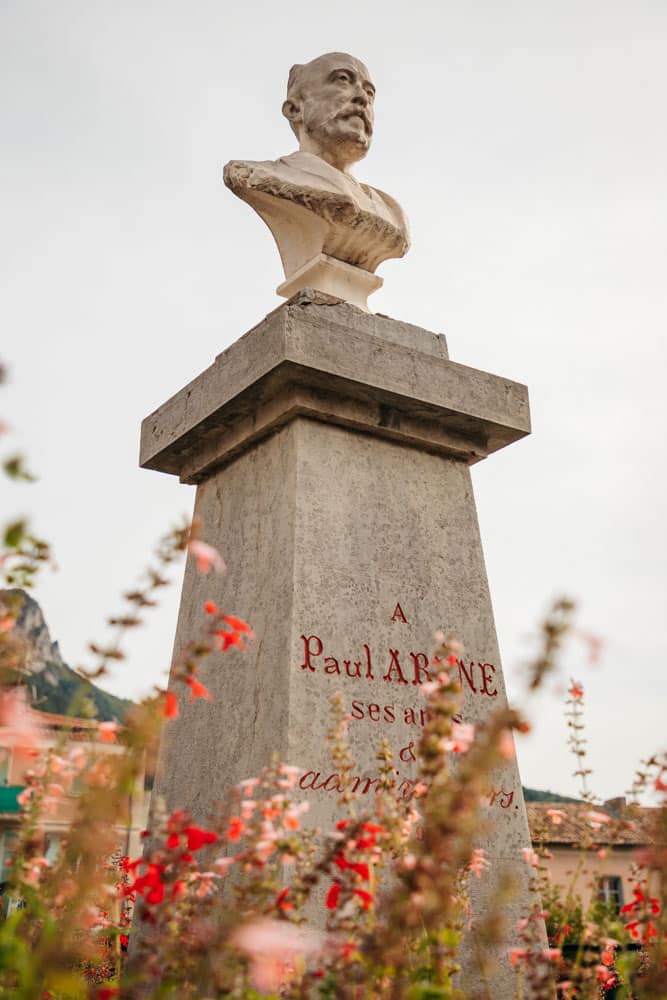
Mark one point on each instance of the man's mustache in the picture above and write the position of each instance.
(357, 113)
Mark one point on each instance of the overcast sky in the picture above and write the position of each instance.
(527, 143)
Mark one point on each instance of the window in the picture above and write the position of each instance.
(5, 757)
(610, 891)
(52, 846)
(7, 843)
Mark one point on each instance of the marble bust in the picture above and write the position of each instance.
(332, 231)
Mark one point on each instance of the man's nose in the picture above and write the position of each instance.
(360, 97)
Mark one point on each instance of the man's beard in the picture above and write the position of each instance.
(337, 131)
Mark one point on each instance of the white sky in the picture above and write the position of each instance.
(527, 143)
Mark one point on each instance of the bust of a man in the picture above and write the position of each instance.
(331, 231)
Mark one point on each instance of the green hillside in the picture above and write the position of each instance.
(534, 795)
(58, 689)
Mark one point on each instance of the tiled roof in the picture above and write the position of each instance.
(571, 823)
(54, 721)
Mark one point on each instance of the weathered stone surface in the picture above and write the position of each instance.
(318, 213)
(331, 449)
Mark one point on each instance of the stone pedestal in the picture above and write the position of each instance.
(330, 449)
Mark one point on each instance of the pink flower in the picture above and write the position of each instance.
(530, 857)
(597, 819)
(248, 807)
(35, 870)
(506, 745)
(24, 797)
(292, 815)
(206, 882)
(478, 862)
(289, 776)
(462, 736)
(553, 954)
(222, 865)
(275, 949)
(77, 758)
(7, 623)
(556, 816)
(517, 955)
(207, 557)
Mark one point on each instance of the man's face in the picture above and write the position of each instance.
(337, 98)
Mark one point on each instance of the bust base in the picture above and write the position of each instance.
(333, 277)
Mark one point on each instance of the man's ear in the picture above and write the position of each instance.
(292, 111)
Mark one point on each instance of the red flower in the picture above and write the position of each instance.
(238, 635)
(372, 828)
(197, 689)
(282, 901)
(364, 843)
(228, 639)
(576, 690)
(106, 992)
(178, 889)
(361, 868)
(150, 885)
(604, 976)
(198, 838)
(170, 707)
(331, 901)
(235, 828)
(342, 823)
(364, 896)
(211, 608)
(237, 625)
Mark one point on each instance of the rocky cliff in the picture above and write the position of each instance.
(52, 684)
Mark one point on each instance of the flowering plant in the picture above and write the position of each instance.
(255, 902)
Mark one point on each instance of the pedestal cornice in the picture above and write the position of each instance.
(318, 358)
